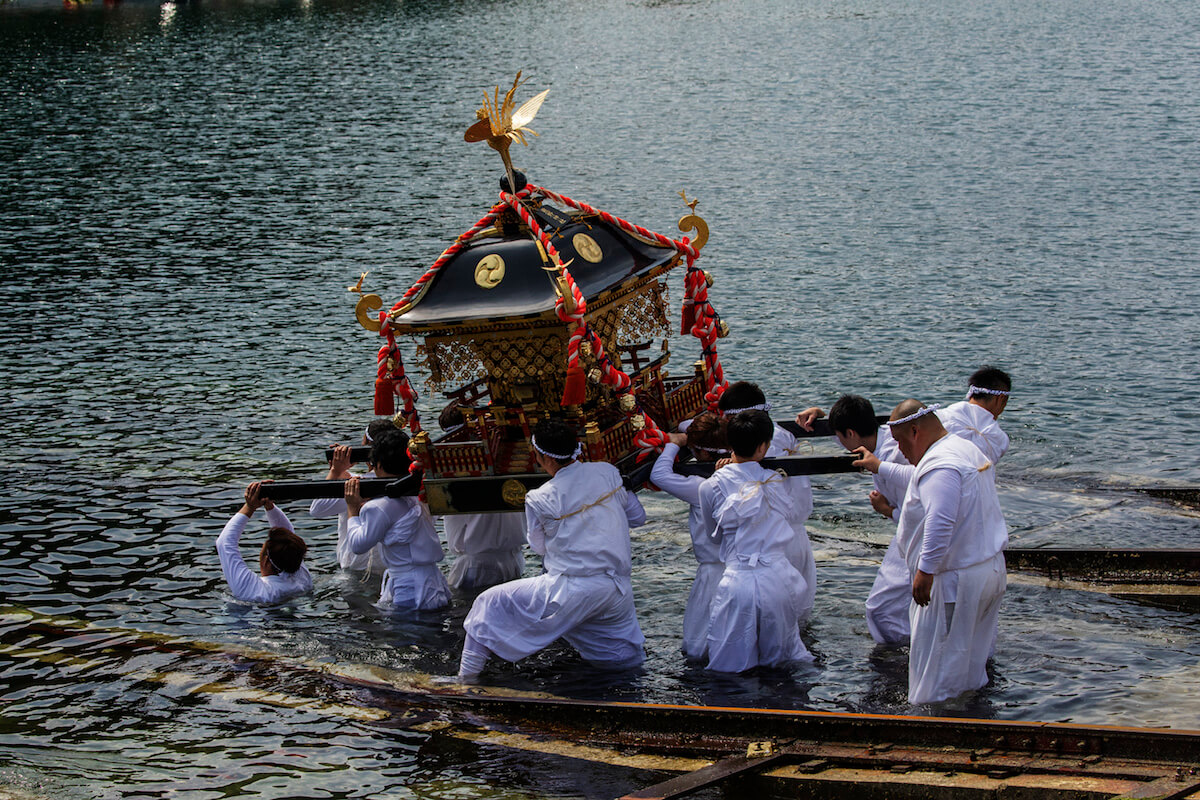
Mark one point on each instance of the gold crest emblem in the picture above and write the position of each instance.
(513, 492)
(587, 248)
(489, 271)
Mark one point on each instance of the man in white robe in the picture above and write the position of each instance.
(579, 523)
(952, 534)
(703, 436)
(976, 418)
(282, 574)
(402, 529)
(750, 512)
(853, 421)
(745, 396)
(488, 548)
(328, 507)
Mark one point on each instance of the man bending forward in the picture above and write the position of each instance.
(579, 522)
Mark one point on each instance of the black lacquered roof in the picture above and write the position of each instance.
(526, 288)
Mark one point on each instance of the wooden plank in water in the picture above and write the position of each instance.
(707, 776)
(1112, 566)
(935, 757)
(1187, 495)
(721, 731)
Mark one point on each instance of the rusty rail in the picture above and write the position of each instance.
(832, 752)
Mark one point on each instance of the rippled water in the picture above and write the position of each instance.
(897, 192)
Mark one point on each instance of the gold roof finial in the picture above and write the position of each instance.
(693, 222)
(499, 125)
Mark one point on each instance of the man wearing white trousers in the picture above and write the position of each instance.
(952, 534)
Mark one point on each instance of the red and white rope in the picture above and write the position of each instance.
(650, 437)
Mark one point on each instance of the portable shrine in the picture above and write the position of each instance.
(546, 305)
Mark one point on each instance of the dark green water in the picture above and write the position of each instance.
(897, 191)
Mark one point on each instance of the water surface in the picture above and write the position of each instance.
(898, 192)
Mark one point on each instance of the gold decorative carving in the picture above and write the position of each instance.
(513, 493)
(489, 271)
(500, 125)
(587, 248)
(529, 364)
(437, 498)
(363, 308)
(694, 223)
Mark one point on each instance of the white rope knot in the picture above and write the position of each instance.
(916, 415)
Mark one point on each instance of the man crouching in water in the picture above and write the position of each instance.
(282, 574)
(579, 522)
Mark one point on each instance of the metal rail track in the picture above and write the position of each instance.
(827, 751)
(814, 754)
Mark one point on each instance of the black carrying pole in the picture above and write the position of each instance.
(789, 465)
(358, 453)
(283, 491)
(636, 474)
(821, 427)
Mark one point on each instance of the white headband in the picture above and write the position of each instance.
(367, 435)
(916, 415)
(974, 390)
(548, 454)
(271, 561)
(760, 407)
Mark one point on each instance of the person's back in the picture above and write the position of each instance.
(977, 418)
(976, 425)
(403, 530)
(752, 511)
(749, 511)
(282, 574)
(408, 535)
(745, 396)
(579, 522)
(581, 528)
(487, 546)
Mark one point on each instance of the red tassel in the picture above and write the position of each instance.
(689, 318)
(385, 398)
(575, 392)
